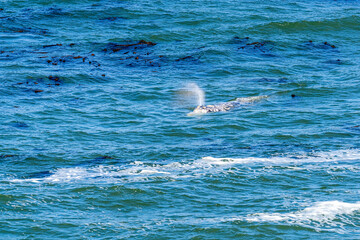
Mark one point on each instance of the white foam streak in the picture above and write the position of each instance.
(321, 212)
(139, 171)
(332, 156)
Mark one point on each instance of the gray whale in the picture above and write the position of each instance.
(223, 107)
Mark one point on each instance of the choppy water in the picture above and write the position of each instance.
(95, 141)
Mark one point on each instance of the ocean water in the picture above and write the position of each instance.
(96, 141)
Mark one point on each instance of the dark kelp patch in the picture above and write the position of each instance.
(258, 47)
(246, 45)
(4, 156)
(135, 54)
(28, 30)
(130, 54)
(194, 59)
(115, 47)
(53, 45)
(39, 85)
(238, 40)
(318, 46)
(72, 59)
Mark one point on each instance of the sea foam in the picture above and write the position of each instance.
(313, 157)
(322, 212)
(140, 171)
(327, 215)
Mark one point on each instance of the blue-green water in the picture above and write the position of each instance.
(95, 141)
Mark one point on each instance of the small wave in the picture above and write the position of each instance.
(322, 214)
(351, 22)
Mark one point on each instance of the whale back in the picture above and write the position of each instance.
(223, 107)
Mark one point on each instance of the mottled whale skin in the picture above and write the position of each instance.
(223, 107)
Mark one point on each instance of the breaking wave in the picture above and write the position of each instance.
(141, 171)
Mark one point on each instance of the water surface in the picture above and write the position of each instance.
(95, 142)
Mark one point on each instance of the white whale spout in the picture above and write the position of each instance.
(193, 87)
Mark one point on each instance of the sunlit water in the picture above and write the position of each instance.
(96, 144)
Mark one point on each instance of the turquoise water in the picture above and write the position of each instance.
(95, 141)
